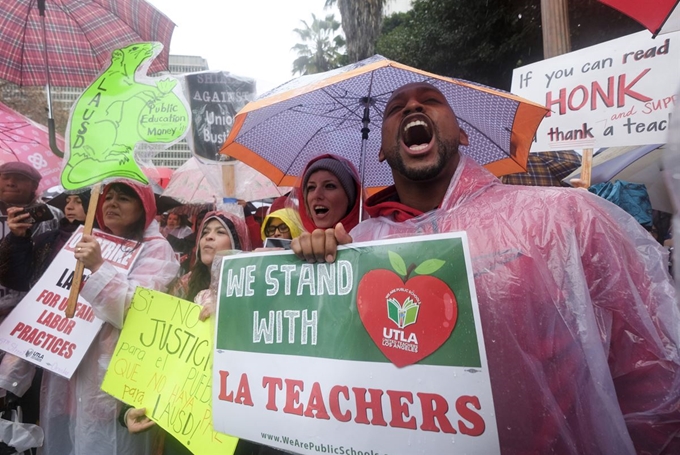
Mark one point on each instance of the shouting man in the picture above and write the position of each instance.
(580, 320)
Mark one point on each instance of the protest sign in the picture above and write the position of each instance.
(122, 108)
(618, 93)
(380, 352)
(163, 362)
(215, 98)
(36, 330)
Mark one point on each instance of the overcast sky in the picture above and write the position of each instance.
(249, 38)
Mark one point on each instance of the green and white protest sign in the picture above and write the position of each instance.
(380, 352)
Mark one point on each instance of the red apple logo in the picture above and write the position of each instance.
(407, 318)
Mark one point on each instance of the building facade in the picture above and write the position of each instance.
(179, 153)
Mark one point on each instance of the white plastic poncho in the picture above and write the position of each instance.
(579, 316)
(79, 407)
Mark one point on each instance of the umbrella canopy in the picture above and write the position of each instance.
(633, 164)
(340, 112)
(160, 175)
(23, 140)
(196, 183)
(163, 203)
(80, 36)
(658, 16)
(546, 169)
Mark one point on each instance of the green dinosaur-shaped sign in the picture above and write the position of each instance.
(120, 109)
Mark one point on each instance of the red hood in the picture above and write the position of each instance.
(239, 233)
(351, 219)
(386, 203)
(145, 193)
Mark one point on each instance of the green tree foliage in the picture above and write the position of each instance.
(361, 21)
(322, 47)
(483, 41)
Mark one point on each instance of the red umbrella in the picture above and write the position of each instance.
(24, 140)
(161, 175)
(68, 42)
(80, 36)
(658, 16)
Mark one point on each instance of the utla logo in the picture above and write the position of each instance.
(423, 308)
(402, 314)
(35, 355)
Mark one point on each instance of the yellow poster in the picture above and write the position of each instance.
(163, 362)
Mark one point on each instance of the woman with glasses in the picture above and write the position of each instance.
(282, 224)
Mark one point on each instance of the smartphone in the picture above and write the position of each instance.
(271, 242)
(38, 213)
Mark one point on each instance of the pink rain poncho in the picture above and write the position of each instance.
(579, 316)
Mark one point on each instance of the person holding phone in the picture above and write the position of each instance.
(18, 189)
(281, 225)
(23, 260)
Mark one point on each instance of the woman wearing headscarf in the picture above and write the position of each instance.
(77, 416)
(329, 193)
(218, 232)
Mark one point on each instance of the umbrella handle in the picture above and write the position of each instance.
(53, 138)
(78, 273)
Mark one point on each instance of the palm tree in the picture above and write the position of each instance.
(361, 21)
(322, 46)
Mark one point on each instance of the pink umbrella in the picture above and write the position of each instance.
(21, 139)
(250, 185)
(197, 183)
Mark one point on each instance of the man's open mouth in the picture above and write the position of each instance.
(417, 135)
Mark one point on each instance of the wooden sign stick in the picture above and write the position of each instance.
(87, 230)
(586, 166)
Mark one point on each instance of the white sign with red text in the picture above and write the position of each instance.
(37, 329)
(618, 93)
(380, 352)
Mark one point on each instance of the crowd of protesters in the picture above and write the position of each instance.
(579, 309)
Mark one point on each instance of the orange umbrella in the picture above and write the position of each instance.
(340, 112)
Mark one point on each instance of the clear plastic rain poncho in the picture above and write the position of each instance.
(579, 315)
(78, 418)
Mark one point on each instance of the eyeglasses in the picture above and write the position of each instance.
(271, 229)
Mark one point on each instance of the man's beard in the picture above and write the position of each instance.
(446, 150)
